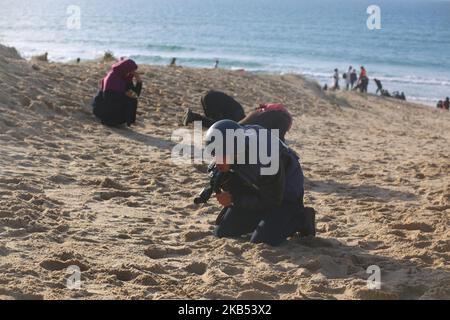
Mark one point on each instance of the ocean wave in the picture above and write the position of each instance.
(168, 47)
(416, 80)
(386, 78)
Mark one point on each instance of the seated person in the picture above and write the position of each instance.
(269, 206)
(117, 100)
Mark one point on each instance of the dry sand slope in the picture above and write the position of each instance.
(73, 192)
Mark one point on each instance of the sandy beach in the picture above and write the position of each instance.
(110, 201)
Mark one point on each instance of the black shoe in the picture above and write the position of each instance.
(309, 227)
(188, 117)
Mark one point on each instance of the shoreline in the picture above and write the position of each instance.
(320, 78)
(258, 73)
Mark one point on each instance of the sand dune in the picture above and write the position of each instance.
(110, 201)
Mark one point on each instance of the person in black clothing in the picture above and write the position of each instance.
(117, 101)
(353, 78)
(270, 207)
(379, 86)
(219, 106)
(216, 106)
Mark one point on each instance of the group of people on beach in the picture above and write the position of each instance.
(444, 104)
(360, 82)
(173, 63)
(352, 80)
(269, 207)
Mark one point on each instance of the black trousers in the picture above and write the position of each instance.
(272, 227)
(114, 110)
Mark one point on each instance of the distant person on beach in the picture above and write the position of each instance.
(173, 62)
(216, 65)
(363, 81)
(117, 101)
(336, 80)
(269, 207)
(348, 78)
(446, 104)
(379, 86)
(219, 106)
(353, 78)
(399, 95)
(440, 104)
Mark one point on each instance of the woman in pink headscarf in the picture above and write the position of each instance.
(116, 102)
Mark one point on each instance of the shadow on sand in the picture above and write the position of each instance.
(357, 192)
(143, 138)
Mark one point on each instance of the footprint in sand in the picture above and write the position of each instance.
(421, 226)
(108, 183)
(156, 252)
(255, 295)
(273, 256)
(146, 280)
(124, 275)
(232, 270)
(61, 179)
(57, 265)
(198, 268)
(108, 195)
(4, 251)
(192, 236)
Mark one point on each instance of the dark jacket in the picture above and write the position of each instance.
(114, 108)
(275, 191)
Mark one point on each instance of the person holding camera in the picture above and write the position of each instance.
(270, 207)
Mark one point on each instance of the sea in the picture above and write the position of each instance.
(404, 43)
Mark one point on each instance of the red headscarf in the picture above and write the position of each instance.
(276, 107)
(119, 76)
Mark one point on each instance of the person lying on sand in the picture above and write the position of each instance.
(268, 206)
(216, 106)
(220, 106)
(117, 100)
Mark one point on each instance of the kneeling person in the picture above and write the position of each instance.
(268, 206)
(117, 100)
